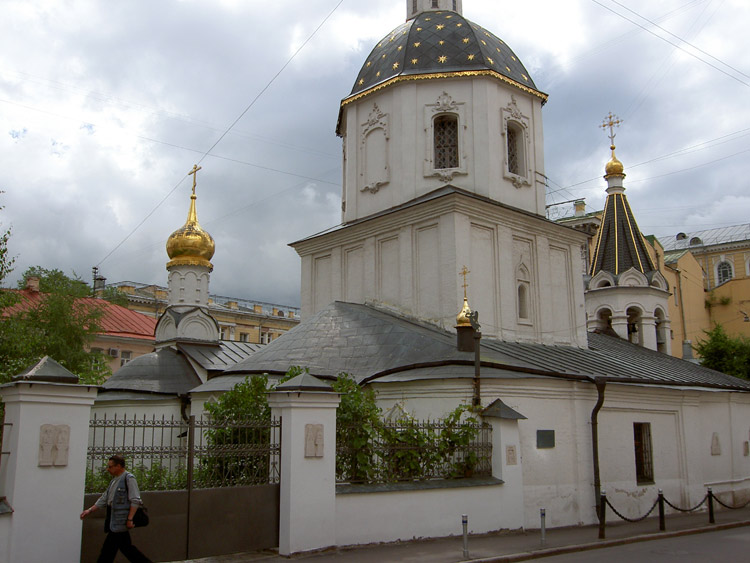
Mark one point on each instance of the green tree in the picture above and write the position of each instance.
(725, 353)
(60, 325)
(6, 261)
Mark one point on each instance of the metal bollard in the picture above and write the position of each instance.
(465, 522)
(662, 524)
(602, 515)
(711, 519)
(543, 516)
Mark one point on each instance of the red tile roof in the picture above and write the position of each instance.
(116, 320)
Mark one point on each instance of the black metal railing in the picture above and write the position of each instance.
(410, 450)
(168, 453)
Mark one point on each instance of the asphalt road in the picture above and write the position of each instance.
(725, 546)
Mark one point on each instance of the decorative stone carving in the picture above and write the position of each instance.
(445, 103)
(53, 445)
(715, 444)
(511, 455)
(374, 166)
(313, 440)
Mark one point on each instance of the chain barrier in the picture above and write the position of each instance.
(730, 507)
(650, 510)
(696, 507)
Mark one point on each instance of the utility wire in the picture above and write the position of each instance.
(677, 45)
(225, 133)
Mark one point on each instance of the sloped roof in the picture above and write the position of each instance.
(217, 358)
(619, 244)
(165, 371)
(362, 341)
(376, 345)
(115, 321)
(709, 237)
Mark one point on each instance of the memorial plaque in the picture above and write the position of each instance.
(313, 440)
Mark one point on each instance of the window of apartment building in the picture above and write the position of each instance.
(723, 272)
(223, 333)
(125, 357)
(644, 465)
(243, 337)
(265, 338)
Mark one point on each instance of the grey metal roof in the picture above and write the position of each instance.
(219, 384)
(710, 237)
(218, 357)
(362, 341)
(164, 371)
(379, 346)
(48, 370)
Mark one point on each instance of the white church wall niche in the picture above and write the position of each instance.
(388, 259)
(524, 261)
(354, 271)
(322, 281)
(562, 322)
(374, 152)
(427, 270)
(483, 285)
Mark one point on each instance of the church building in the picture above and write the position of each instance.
(443, 171)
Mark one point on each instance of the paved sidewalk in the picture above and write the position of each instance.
(509, 546)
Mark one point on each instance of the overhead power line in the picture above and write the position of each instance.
(226, 132)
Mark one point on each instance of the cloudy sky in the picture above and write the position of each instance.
(105, 106)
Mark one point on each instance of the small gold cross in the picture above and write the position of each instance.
(611, 121)
(194, 173)
(464, 272)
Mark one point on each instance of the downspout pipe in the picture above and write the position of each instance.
(600, 383)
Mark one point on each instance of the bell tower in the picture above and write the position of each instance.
(416, 7)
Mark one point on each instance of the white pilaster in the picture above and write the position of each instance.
(307, 511)
(46, 499)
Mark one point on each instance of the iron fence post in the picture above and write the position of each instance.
(190, 458)
(711, 519)
(602, 514)
(662, 524)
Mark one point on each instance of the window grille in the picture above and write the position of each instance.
(446, 142)
(513, 156)
(724, 272)
(454, 5)
(644, 467)
(434, 3)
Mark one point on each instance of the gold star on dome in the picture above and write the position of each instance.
(471, 57)
(392, 37)
(440, 26)
(442, 58)
(491, 61)
(395, 66)
(380, 44)
(368, 63)
(459, 25)
(383, 56)
(512, 57)
(483, 42)
(497, 49)
(400, 47)
(525, 77)
(507, 68)
(417, 44)
(448, 17)
(377, 74)
(414, 61)
(466, 39)
(361, 81)
(441, 42)
(419, 29)
(427, 19)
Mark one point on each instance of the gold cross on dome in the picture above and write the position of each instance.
(611, 121)
(464, 272)
(194, 173)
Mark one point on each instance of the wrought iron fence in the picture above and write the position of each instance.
(410, 450)
(168, 453)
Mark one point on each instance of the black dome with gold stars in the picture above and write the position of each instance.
(440, 44)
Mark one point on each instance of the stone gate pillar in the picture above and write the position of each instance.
(43, 466)
(307, 508)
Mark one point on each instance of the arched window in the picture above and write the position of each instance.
(723, 272)
(634, 325)
(661, 331)
(523, 300)
(446, 142)
(514, 136)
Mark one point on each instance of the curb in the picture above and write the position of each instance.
(562, 550)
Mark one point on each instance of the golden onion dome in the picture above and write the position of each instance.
(614, 167)
(463, 318)
(190, 245)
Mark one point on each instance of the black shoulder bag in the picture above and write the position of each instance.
(140, 518)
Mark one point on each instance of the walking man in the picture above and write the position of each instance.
(122, 498)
